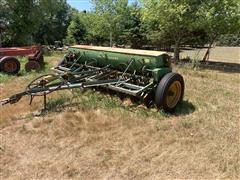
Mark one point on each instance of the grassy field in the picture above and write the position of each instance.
(94, 135)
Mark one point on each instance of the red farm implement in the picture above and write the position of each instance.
(10, 64)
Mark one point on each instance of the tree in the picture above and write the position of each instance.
(229, 40)
(55, 18)
(218, 18)
(113, 17)
(34, 21)
(171, 19)
(95, 33)
(76, 32)
(20, 19)
(3, 23)
(134, 32)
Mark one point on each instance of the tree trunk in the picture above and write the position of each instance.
(110, 37)
(177, 51)
(207, 54)
(0, 39)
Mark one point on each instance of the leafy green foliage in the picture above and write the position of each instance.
(20, 18)
(56, 16)
(159, 23)
(177, 22)
(113, 18)
(34, 21)
(135, 30)
(170, 22)
(76, 30)
(218, 18)
(229, 40)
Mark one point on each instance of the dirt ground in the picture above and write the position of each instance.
(217, 54)
(99, 136)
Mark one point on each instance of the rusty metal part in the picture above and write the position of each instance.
(32, 65)
(9, 65)
(34, 53)
(19, 51)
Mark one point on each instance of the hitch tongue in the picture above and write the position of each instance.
(4, 101)
(13, 99)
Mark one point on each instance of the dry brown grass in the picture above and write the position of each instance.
(108, 140)
(217, 54)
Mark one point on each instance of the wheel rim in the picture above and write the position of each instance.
(10, 66)
(174, 94)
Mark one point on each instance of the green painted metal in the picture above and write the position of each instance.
(120, 61)
(158, 73)
(142, 64)
(139, 73)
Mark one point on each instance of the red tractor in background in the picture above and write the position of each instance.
(11, 65)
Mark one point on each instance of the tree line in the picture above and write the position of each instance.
(24, 22)
(139, 24)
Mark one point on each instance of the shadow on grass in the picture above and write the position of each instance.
(94, 102)
(221, 66)
(184, 108)
(212, 65)
(90, 99)
(56, 105)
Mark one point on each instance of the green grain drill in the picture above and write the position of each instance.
(146, 75)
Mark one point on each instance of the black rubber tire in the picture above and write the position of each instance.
(7, 59)
(162, 91)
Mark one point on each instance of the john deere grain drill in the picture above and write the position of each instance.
(146, 75)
